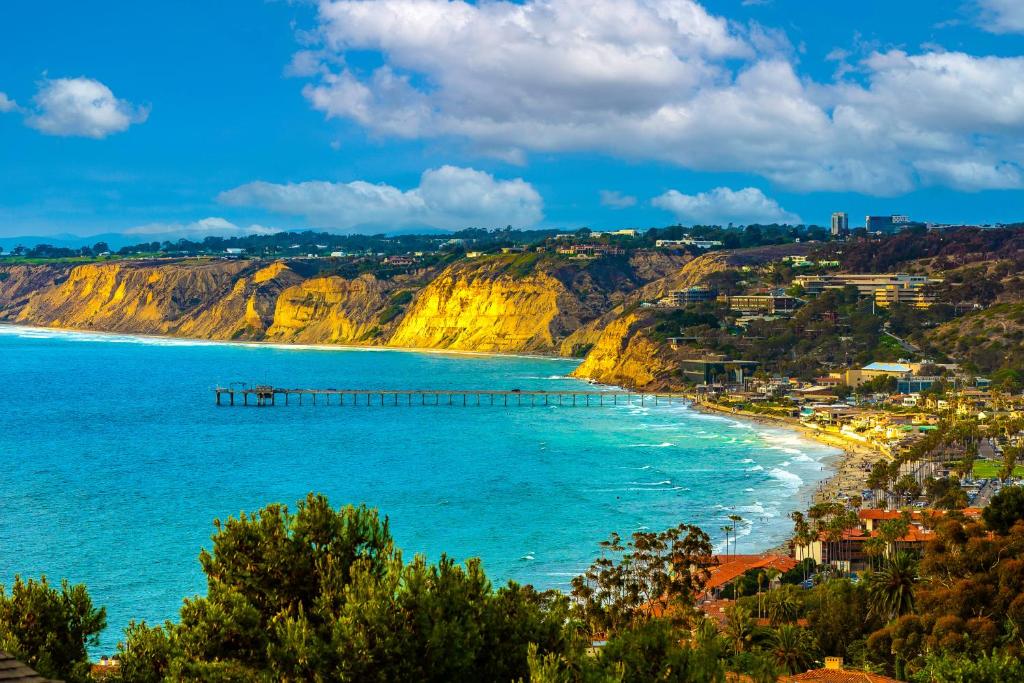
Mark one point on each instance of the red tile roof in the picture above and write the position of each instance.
(731, 567)
(837, 676)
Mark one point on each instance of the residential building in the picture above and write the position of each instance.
(855, 378)
(690, 295)
(835, 672)
(840, 224)
(768, 303)
(591, 250)
(13, 670)
(688, 241)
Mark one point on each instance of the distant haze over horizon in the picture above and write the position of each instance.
(167, 121)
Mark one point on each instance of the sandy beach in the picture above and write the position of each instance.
(851, 469)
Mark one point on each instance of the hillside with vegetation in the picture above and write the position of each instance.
(597, 296)
(325, 594)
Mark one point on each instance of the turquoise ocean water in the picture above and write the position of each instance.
(115, 462)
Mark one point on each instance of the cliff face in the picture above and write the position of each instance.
(217, 300)
(510, 303)
(332, 310)
(623, 354)
(19, 283)
(485, 308)
(154, 299)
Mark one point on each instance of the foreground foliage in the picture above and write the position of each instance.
(48, 628)
(323, 594)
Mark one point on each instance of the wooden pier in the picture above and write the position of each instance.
(266, 396)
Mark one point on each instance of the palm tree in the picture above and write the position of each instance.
(891, 589)
(740, 629)
(727, 529)
(874, 548)
(761, 576)
(735, 519)
(792, 648)
(783, 606)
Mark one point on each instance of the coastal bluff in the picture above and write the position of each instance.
(500, 303)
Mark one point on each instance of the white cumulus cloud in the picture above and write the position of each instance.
(81, 107)
(448, 197)
(1002, 16)
(6, 103)
(203, 227)
(723, 205)
(663, 80)
(616, 200)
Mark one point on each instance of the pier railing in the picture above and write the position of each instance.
(266, 396)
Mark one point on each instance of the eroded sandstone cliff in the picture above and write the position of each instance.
(625, 354)
(515, 303)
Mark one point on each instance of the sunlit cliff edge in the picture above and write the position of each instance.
(500, 304)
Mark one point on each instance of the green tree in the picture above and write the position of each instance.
(948, 668)
(740, 628)
(792, 648)
(323, 594)
(891, 589)
(653, 574)
(782, 605)
(49, 628)
(1005, 509)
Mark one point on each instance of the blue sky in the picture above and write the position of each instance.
(185, 118)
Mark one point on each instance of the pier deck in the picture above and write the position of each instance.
(266, 395)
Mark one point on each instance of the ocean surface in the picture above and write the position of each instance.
(114, 462)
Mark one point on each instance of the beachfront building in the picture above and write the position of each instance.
(851, 550)
(717, 370)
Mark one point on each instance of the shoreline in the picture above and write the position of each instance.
(283, 345)
(846, 475)
(850, 467)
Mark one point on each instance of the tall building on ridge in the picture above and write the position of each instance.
(840, 224)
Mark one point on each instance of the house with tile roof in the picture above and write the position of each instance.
(13, 671)
(835, 672)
